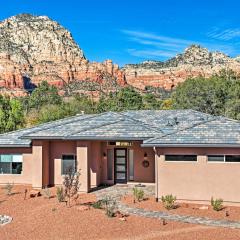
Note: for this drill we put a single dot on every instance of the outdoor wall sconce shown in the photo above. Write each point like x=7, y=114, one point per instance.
x=104, y=154
x=145, y=164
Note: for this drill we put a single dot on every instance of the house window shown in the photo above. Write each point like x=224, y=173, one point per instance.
x=110, y=160
x=68, y=164
x=224, y=158
x=11, y=164
x=216, y=158
x=120, y=144
x=131, y=164
x=232, y=158
x=181, y=158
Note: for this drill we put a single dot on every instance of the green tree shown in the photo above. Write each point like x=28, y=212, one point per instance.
x=125, y=99
x=202, y=94
x=11, y=114
x=44, y=94
x=232, y=106
x=151, y=102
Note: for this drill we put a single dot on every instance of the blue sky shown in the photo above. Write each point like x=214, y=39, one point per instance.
x=136, y=30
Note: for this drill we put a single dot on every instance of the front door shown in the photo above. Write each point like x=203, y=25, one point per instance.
x=120, y=165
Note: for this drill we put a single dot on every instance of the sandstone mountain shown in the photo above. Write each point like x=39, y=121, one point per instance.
x=36, y=48
x=195, y=61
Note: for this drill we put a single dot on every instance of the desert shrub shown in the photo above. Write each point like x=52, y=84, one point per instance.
x=8, y=187
x=71, y=185
x=97, y=205
x=217, y=204
x=138, y=194
x=169, y=201
x=46, y=193
x=60, y=194
x=109, y=205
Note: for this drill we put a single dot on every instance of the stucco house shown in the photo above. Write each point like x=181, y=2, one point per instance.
x=192, y=155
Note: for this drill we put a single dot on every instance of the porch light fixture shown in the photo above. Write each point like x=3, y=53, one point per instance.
x=104, y=154
x=145, y=155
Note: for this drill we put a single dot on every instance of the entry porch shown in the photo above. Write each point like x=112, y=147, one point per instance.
x=99, y=163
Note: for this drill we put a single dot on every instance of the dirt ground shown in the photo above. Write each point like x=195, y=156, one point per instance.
x=41, y=218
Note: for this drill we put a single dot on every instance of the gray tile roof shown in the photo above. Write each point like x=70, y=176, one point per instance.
x=154, y=127
x=15, y=138
x=216, y=132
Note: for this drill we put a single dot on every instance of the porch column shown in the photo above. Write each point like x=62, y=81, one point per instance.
x=83, y=166
x=158, y=160
x=37, y=164
x=40, y=164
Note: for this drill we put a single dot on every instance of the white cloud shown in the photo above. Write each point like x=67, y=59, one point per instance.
x=151, y=45
x=225, y=35
x=150, y=53
x=146, y=35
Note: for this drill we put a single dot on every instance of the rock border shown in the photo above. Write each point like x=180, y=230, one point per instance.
x=116, y=192
x=4, y=219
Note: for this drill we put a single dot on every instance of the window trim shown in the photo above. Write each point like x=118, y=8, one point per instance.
x=13, y=154
x=224, y=155
x=182, y=161
x=75, y=158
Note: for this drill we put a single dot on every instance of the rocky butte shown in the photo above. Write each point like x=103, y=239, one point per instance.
x=36, y=48
x=195, y=61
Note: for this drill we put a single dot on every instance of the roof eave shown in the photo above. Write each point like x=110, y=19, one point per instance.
x=84, y=138
x=190, y=145
x=107, y=138
x=15, y=145
x=42, y=137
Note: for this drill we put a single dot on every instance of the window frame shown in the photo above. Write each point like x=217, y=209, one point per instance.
x=224, y=155
x=181, y=161
x=75, y=162
x=11, y=163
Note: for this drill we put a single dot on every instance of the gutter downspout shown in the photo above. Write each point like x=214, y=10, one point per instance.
x=156, y=174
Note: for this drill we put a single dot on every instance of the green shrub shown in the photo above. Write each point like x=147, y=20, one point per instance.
x=60, y=194
x=168, y=201
x=217, y=204
x=47, y=193
x=138, y=194
x=109, y=205
x=97, y=205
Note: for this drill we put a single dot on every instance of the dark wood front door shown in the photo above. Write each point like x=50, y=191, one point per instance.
x=120, y=165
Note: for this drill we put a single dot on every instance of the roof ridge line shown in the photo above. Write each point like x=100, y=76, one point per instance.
x=87, y=117
x=148, y=126
x=183, y=129
x=86, y=129
x=39, y=125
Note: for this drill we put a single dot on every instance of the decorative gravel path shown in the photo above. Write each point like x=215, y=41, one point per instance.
x=118, y=191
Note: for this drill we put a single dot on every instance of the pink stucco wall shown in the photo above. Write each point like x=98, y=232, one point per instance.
x=201, y=180
x=42, y=163
x=26, y=176
x=57, y=149
x=142, y=174
x=95, y=156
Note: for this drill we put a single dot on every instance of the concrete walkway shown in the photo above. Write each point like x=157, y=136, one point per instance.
x=118, y=191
